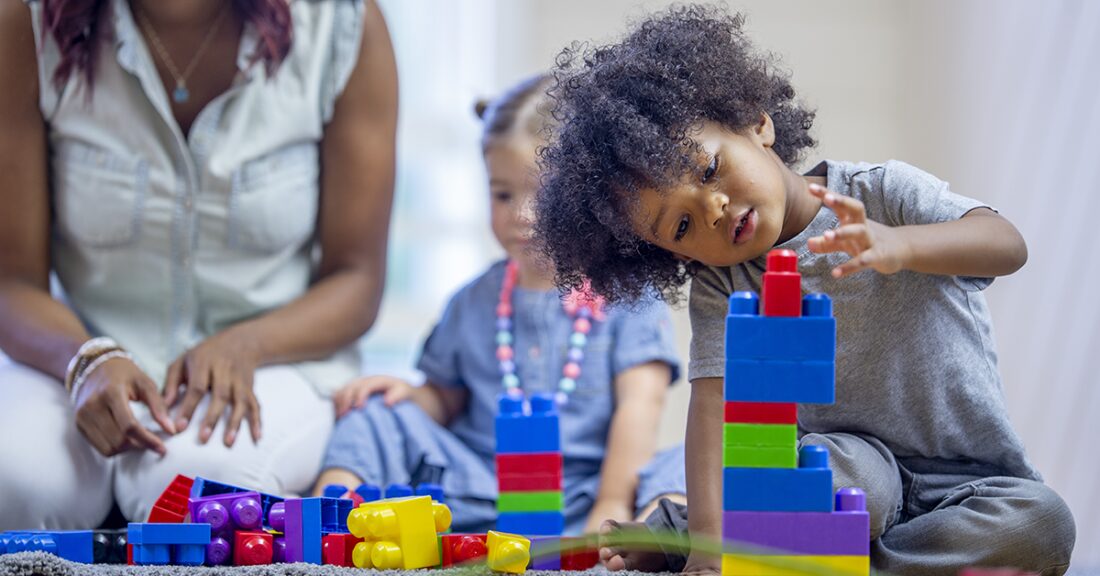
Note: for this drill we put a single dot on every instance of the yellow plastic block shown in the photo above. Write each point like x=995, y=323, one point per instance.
x=508, y=552
x=753, y=565
x=398, y=533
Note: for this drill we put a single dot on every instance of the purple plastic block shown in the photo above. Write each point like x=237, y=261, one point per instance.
x=276, y=517
x=850, y=500
x=278, y=550
x=545, y=553
x=218, y=551
x=800, y=533
x=303, y=530
x=293, y=532
x=228, y=512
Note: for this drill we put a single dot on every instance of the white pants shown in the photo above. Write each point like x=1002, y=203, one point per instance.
x=52, y=478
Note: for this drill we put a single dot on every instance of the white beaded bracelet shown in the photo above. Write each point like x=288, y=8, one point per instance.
x=91, y=368
x=88, y=349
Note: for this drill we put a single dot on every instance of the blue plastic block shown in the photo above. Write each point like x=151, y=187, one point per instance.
x=303, y=530
x=335, y=490
x=545, y=553
x=369, y=492
x=204, y=487
x=398, y=491
x=146, y=533
x=189, y=555
x=808, y=488
x=521, y=432
x=429, y=489
x=802, y=382
x=334, y=515
x=531, y=523
x=151, y=554
x=786, y=339
x=74, y=545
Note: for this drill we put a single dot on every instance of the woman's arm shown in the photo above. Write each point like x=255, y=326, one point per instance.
x=632, y=440
x=358, y=154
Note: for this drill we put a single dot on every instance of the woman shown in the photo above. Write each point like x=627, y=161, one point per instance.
x=211, y=184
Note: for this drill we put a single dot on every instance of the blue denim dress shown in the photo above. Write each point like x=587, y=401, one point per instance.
x=385, y=445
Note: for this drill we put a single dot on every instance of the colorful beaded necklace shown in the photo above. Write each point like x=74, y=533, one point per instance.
x=581, y=306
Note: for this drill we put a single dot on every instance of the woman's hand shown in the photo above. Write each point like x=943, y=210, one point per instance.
x=223, y=366
x=870, y=244
x=353, y=395
x=103, y=412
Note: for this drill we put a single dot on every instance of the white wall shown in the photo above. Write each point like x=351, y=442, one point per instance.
x=1001, y=98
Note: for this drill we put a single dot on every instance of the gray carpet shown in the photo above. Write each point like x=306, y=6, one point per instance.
x=28, y=563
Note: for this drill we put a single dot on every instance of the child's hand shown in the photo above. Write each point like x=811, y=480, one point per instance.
x=353, y=395
x=606, y=510
x=870, y=244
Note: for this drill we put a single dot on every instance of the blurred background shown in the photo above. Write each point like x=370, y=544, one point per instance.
x=1000, y=98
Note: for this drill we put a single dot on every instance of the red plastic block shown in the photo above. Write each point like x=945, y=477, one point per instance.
x=528, y=464
x=461, y=548
x=578, y=553
x=171, y=507
x=336, y=549
x=129, y=554
x=530, y=483
x=762, y=412
x=252, y=548
x=782, y=290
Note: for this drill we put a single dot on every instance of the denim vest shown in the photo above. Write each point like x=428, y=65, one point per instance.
x=161, y=239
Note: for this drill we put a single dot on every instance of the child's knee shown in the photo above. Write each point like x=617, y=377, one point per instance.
x=1041, y=527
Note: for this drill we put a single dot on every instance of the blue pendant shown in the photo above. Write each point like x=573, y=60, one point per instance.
x=180, y=94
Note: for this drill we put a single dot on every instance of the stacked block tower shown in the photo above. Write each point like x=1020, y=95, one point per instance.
x=780, y=515
x=529, y=466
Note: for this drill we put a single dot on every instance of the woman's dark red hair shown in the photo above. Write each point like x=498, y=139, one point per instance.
x=79, y=27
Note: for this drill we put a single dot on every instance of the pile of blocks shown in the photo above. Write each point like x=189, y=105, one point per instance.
x=780, y=515
x=529, y=466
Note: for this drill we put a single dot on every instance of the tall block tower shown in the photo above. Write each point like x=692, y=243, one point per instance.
x=529, y=466
x=780, y=514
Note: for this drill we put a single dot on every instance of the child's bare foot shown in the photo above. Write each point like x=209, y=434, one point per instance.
x=630, y=546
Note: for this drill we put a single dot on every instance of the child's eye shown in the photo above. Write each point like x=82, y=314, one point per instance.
x=681, y=229
x=502, y=196
x=712, y=168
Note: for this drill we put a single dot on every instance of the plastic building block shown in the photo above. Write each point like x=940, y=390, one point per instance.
x=759, y=457
x=545, y=553
x=508, y=553
x=752, y=337
x=171, y=506
x=108, y=546
x=337, y=549
x=435, y=491
x=369, y=492
x=303, y=530
x=73, y=545
x=810, y=533
x=461, y=548
x=805, y=382
x=579, y=553
x=334, y=515
x=335, y=491
x=518, y=432
x=531, y=483
x=399, y=491
x=762, y=412
x=204, y=487
x=782, y=284
x=228, y=512
x=218, y=551
x=529, y=464
x=808, y=488
x=165, y=543
x=760, y=434
x=529, y=501
x=276, y=517
x=531, y=523
x=398, y=533
x=278, y=550
x=252, y=548
x=748, y=565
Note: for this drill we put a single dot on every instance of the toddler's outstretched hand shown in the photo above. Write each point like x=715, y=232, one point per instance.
x=354, y=394
x=870, y=244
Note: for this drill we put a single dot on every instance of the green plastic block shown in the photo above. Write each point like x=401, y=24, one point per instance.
x=759, y=457
x=529, y=502
x=774, y=435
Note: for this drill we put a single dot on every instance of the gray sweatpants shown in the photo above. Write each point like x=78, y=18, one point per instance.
x=933, y=518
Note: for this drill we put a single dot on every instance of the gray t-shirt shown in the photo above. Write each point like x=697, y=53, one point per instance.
x=916, y=367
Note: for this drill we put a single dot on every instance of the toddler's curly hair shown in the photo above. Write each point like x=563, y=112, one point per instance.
x=625, y=115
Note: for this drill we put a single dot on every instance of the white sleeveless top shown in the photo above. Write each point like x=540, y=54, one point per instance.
x=161, y=239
